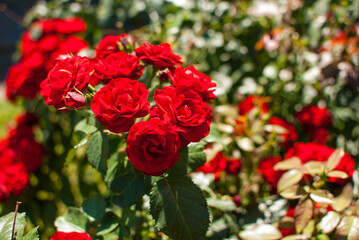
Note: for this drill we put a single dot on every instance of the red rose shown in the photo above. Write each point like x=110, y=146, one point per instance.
x=216, y=166
x=61, y=26
x=153, y=146
x=117, y=65
x=266, y=168
x=25, y=77
x=161, y=56
x=117, y=104
x=16, y=177
x=189, y=77
x=63, y=83
x=317, y=152
x=319, y=135
x=314, y=117
x=253, y=101
x=233, y=166
x=70, y=236
x=185, y=110
x=111, y=44
x=30, y=153
x=290, y=136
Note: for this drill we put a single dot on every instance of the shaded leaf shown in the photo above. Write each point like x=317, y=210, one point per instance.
x=191, y=158
x=302, y=214
x=289, y=178
x=179, y=208
x=215, y=136
x=98, y=151
x=329, y=222
x=129, y=188
x=94, y=207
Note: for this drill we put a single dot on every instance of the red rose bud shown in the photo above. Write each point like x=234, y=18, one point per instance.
x=153, y=146
x=216, y=166
x=185, y=111
x=70, y=236
x=237, y=200
x=190, y=78
x=117, y=104
x=163, y=76
x=253, y=101
x=117, y=65
x=161, y=56
x=63, y=83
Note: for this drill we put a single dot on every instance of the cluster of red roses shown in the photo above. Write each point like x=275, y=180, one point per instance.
x=70, y=236
x=181, y=114
x=19, y=155
x=41, y=45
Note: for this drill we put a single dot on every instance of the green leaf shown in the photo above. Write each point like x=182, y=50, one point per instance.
x=117, y=165
x=70, y=156
x=6, y=225
x=328, y=223
x=215, y=136
x=294, y=192
x=334, y=159
x=322, y=196
x=289, y=178
x=348, y=228
x=179, y=208
x=74, y=220
x=341, y=202
x=86, y=126
x=94, y=207
x=302, y=214
x=129, y=188
x=108, y=224
x=191, y=158
x=223, y=205
x=32, y=235
x=98, y=151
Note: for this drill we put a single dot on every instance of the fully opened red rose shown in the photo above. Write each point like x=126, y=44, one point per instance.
x=314, y=117
x=63, y=83
x=117, y=65
x=117, y=104
x=185, y=110
x=161, y=56
x=191, y=78
x=253, y=101
x=70, y=236
x=153, y=146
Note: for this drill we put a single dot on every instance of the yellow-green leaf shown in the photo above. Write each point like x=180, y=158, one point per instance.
x=322, y=196
x=261, y=232
x=328, y=223
x=337, y=174
x=302, y=214
x=341, y=202
x=314, y=167
x=334, y=158
x=289, y=178
x=288, y=164
x=344, y=226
